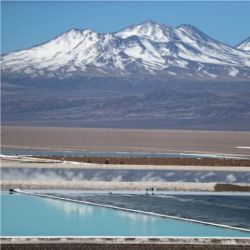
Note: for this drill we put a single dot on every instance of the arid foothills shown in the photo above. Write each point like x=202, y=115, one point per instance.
x=148, y=75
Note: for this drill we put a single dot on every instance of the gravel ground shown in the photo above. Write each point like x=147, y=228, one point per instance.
x=154, y=161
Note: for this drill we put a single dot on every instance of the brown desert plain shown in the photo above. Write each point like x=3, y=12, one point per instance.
x=125, y=140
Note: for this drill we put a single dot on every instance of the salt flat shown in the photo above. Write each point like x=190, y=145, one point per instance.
x=125, y=140
x=105, y=185
x=29, y=162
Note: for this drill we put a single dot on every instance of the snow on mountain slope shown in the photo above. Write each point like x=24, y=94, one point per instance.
x=150, y=30
x=245, y=45
x=146, y=48
x=209, y=50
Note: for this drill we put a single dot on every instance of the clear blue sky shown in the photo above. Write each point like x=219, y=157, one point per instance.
x=25, y=24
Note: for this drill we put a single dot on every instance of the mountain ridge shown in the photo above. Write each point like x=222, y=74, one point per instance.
x=156, y=76
x=147, y=48
x=244, y=45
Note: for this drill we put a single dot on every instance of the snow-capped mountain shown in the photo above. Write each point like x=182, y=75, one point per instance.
x=148, y=48
x=245, y=45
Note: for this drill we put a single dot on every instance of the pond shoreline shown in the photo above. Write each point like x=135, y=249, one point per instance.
x=128, y=243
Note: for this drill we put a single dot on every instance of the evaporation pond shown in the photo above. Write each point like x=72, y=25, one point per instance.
x=24, y=215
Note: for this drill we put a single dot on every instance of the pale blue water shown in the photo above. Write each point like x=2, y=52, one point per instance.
x=24, y=215
x=116, y=154
x=130, y=175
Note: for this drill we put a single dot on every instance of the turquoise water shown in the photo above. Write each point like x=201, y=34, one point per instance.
x=24, y=215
